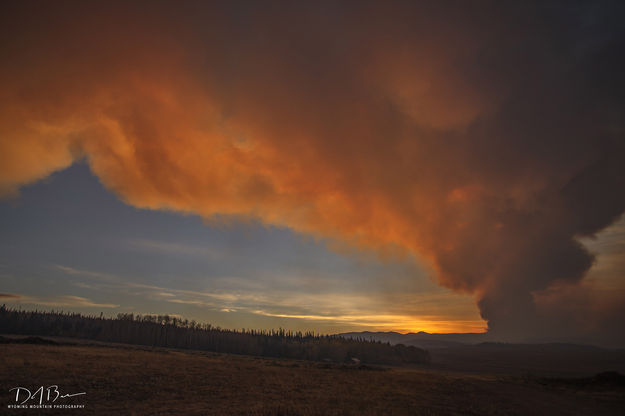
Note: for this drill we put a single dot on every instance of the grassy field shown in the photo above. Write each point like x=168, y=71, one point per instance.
x=124, y=380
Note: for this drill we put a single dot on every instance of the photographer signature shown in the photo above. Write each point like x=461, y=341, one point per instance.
x=49, y=394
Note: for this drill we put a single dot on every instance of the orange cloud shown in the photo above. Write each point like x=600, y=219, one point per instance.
x=456, y=134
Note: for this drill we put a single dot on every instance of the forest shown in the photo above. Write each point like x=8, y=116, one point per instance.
x=173, y=332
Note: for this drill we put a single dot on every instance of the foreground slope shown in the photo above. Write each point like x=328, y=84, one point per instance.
x=147, y=381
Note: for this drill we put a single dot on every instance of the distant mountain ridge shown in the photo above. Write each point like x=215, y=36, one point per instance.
x=421, y=339
x=484, y=353
x=426, y=340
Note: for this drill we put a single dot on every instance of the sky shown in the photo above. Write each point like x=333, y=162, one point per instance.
x=441, y=166
x=69, y=244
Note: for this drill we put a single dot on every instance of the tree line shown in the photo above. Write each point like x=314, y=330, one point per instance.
x=173, y=332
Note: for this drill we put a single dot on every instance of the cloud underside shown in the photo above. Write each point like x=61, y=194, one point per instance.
x=55, y=301
x=484, y=140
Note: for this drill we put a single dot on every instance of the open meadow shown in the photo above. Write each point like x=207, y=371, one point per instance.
x=132, y=380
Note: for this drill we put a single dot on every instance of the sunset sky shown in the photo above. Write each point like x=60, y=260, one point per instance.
x=330, y=166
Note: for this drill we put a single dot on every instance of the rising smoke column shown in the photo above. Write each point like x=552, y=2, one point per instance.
x=483, y=138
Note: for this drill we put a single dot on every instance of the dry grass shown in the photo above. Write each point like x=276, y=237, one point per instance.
x=133, y=381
